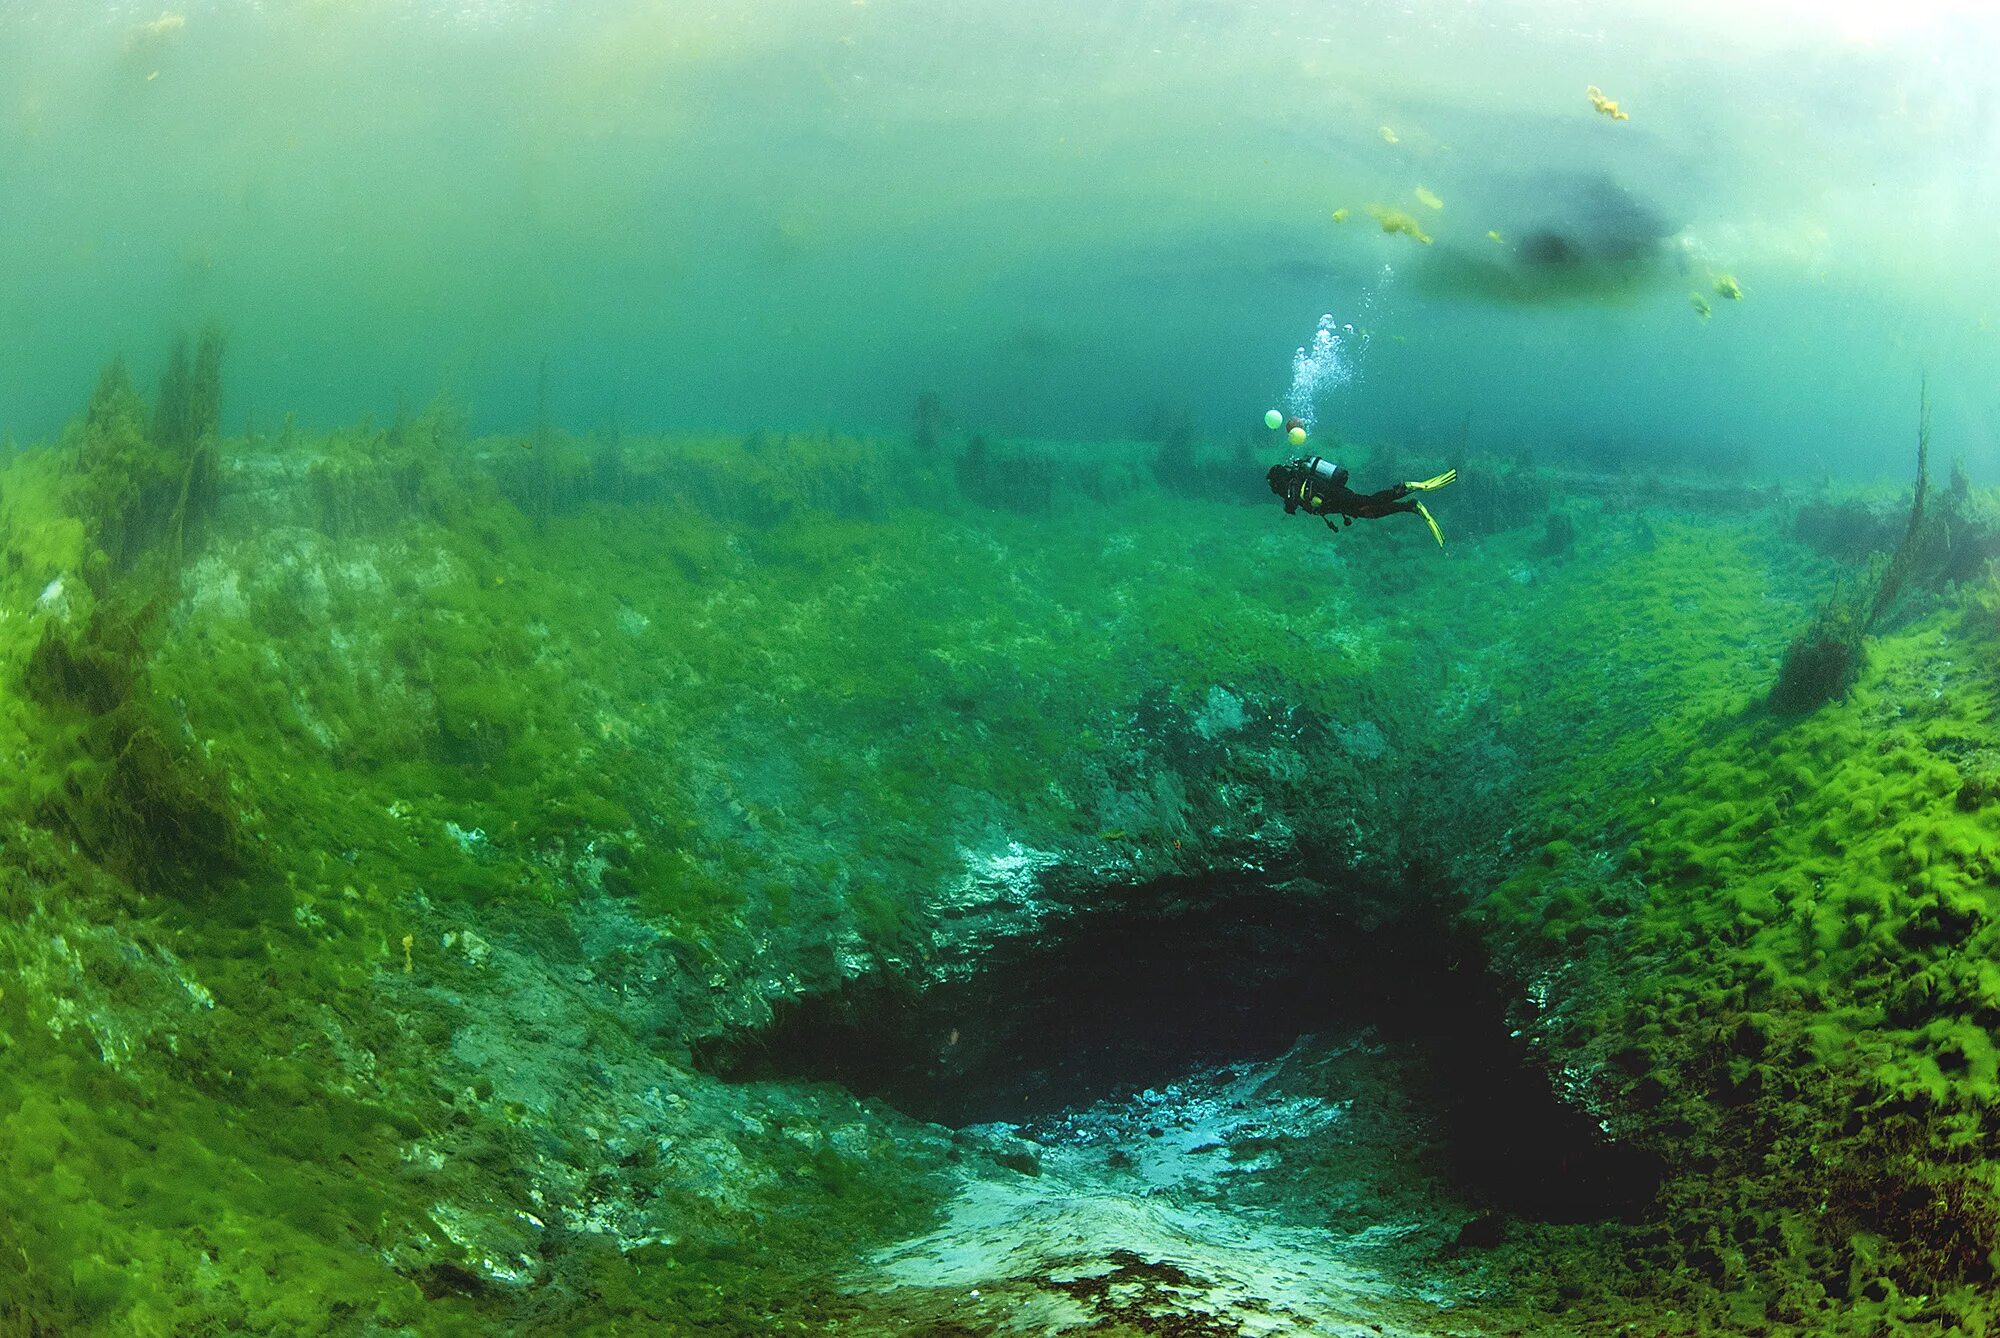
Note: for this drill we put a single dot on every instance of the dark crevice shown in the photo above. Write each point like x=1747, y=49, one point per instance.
x=1189, y=972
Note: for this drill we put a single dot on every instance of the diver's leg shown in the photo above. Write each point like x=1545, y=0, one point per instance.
x=1375, y=505
x=1389, y=502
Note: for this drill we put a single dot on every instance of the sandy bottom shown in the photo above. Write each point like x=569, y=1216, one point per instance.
x=1272, y=1200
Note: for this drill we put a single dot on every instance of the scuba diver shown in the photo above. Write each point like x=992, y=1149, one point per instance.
x=1320, y=486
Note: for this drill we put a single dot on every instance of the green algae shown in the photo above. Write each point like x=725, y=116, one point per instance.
x=1812, y=937
x=357, y=757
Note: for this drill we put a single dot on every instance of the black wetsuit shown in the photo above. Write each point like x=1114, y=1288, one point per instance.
x=1319, y=487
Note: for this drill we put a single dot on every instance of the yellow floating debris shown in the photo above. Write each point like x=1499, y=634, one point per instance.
x=1340, y=215
x=1700, y=305
x=1605, y=105
x=1388, y=136
x=1426, y=196
x=168, y=22
x=1397, y=220
x=1726, y=285
x=1493, y=236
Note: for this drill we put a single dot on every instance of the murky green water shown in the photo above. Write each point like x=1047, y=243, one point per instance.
x=650, y=685
x=1061, y=218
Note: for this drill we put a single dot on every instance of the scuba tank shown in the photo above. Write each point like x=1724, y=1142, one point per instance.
x=1320, y=476
x=1322, y=472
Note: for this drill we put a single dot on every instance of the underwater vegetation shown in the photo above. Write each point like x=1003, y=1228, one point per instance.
x=1943, y=544
x=1399, y=222
x=127, y=501
x=1605, y=106
x=427, y=854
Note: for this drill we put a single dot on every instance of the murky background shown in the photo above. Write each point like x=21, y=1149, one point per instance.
x=1062, y=219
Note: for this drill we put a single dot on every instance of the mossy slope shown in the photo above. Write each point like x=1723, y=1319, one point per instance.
x=1775, y=963
x=455, y=791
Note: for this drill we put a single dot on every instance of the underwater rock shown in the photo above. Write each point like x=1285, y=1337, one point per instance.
x=1161, y=1210
x=1196, y=789
x=999, y=896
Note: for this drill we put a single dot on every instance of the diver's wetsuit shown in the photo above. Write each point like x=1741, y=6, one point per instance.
x=1320, y=488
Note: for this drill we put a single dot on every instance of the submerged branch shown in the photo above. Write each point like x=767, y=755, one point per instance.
x=1825, y=658
x=1899, y=565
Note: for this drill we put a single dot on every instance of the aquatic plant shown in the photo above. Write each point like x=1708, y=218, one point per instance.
x=187, y=426
x=558, y=803
x=114, y=511
x=1173, y=463
x=1901, y=562
x=1605, y=106
x=929, y=422
x=1821, y=661
x=536, y=471
x=1558, y=535
x=136, y=486
x=609, y=478
x=188, y=409
x=1399, y=221
x=1018, y=479
x=972, y=464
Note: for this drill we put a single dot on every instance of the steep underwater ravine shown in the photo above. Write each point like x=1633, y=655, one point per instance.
x=421, y=852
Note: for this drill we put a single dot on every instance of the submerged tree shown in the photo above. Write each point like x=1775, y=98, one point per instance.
x=1823, y=660
x=138, y=485
x=1898, y=572
x=189, y=408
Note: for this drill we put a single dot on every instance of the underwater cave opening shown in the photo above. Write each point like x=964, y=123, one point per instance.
x=1190, y=972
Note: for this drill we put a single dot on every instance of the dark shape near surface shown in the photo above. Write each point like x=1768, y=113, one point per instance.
x=1589, y=238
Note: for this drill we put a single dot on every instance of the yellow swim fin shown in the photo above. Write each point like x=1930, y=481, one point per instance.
x=1436, y=533
x=1433, y=484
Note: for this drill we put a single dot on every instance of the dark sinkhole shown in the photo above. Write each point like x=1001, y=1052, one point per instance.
x=1189, y=972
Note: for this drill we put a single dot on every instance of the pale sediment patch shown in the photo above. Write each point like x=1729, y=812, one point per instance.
x=1072, y=1240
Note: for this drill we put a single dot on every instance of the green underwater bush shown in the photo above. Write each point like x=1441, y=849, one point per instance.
x=1938, y=546
x=1823, y=660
